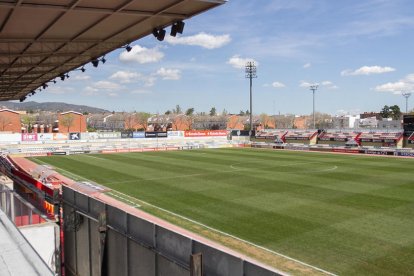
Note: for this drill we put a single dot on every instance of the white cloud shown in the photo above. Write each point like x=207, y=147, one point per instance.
x=323, y=84
x=168, y=74
x=277, y=84
x=237, y=62
x=125, y=76
x=81, y=77
x=140, y=91
x=106, y=85
x=406, y=84
x=307, y=65
x=58, y=90
x=148, y=80
x=90, y=91
x=367, y=70
x=141, y=55
x=112, y=94
x=307, y=84
x=134, y=77
x=204, y=40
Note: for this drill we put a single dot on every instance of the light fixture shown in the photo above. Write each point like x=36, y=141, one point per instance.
x=103, y=59
x=44, y=86
x=62, y=77
x=33, y=92
x=22, y=99
x=128, y=48
x=159, y=34
x=177, y=27
x=95, y=62
x=67, y=75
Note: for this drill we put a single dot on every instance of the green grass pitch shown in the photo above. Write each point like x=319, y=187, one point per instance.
x=350, y=215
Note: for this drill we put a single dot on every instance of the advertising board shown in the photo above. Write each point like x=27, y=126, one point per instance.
x=154, y=134
x=60, y=136
x=175, y=134
x=45, y=136
x=126, y=134
x=138, y=134
x=109, y=135
x=204, y=133
x=74, y=136
x=29, y=137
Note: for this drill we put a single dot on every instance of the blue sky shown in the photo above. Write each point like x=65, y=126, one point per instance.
x=359, y=52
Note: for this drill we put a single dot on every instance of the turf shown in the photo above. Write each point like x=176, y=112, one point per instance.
x=345, y=214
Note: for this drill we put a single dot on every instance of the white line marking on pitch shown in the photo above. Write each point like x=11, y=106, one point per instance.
x=239, y=239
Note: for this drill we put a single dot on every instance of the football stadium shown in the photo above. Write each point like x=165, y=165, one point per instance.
x=231, y=195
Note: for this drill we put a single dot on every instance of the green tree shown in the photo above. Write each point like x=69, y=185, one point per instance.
x=241, y=113
x=247, y=112
x=190, y=111
x=168, y=112
x=396, y=112
x=177, y=110
x=213, y=111
x=385, y=112
x=28, y=121
x=224, y=112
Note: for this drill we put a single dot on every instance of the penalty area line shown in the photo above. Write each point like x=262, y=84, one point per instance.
x=239, y=239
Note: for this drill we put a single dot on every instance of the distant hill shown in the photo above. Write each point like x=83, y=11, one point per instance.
x=51, y=106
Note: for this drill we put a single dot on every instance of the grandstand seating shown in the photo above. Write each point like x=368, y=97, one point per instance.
x=339, y=135
x=300, y=134
x=272, y=134
x=380, y=136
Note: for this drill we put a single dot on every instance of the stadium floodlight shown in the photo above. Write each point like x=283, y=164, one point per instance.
x=159, y=34
x=177, y=27
x=406, y=95
x=128, y=48
x=44, y=86
x=313, y=88
x=95, y=62
x=250, y=71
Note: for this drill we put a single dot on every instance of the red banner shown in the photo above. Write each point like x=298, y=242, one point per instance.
x=205, y=133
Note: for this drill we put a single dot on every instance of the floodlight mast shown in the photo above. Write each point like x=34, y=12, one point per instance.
x=250, y=71
x=313, y=88
x=406, y=95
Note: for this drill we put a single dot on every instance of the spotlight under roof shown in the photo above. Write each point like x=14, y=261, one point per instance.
x=95, y=62
x=159, y=34
x=177, y=27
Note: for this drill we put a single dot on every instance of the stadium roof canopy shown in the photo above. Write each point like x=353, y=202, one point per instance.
x=42, y=39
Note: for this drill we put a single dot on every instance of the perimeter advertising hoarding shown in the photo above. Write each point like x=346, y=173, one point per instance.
x=60, y=136
x=74, y=136
x=240, y=133
x=45, y=136
x=154, y=134
x=205, y=133
x=29, y=137
x=109, y=135
x=138, y=134
x=126, y=134
x=407, y=154
x=11, y=137
x=89, y=135
x=175, y=134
